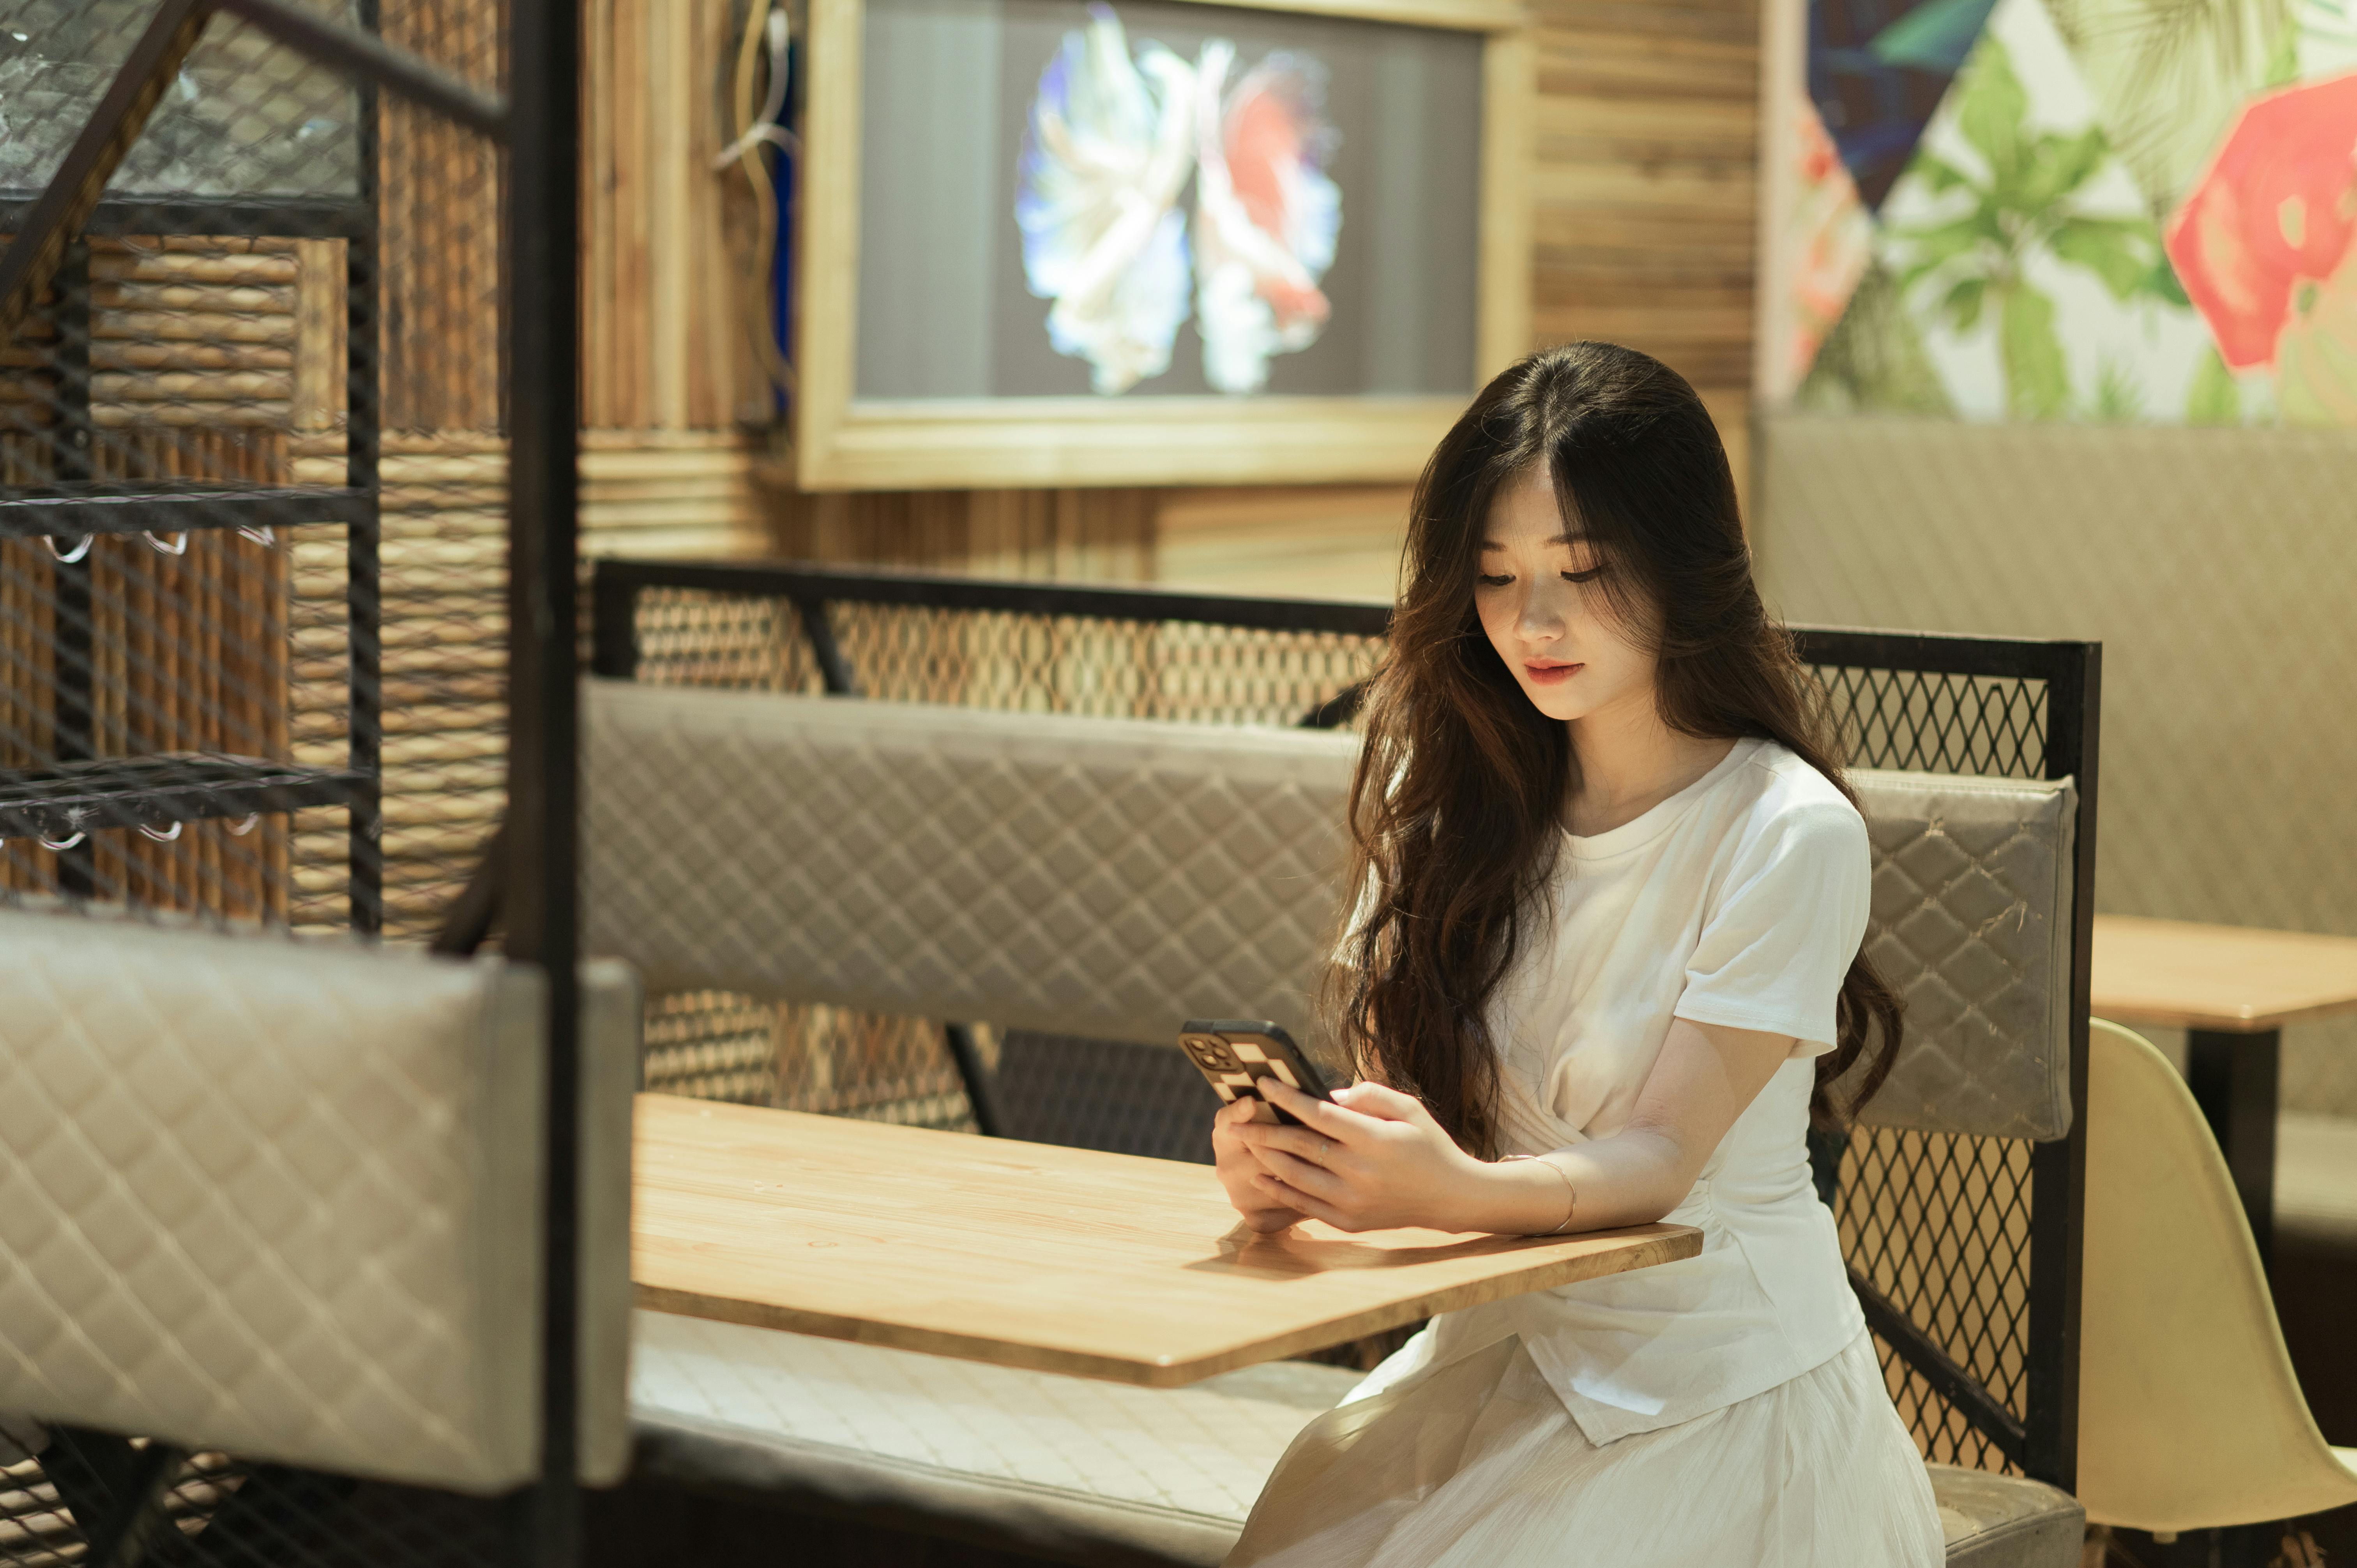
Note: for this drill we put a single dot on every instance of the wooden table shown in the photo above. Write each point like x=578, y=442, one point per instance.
x=2233, y=989
x=1030, y=1255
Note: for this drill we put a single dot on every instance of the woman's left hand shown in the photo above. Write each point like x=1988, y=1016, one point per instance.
x=1373, y=1159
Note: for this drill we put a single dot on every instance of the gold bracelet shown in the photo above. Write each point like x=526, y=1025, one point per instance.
x=1572, y=1192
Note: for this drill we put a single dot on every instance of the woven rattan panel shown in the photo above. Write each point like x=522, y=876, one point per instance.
x=2213, y=565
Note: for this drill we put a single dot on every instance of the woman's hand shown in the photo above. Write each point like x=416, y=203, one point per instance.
x=1241, y=1171
x=1372, y=1160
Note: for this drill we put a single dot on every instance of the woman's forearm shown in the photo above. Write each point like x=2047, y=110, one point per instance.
x=1631, y=1178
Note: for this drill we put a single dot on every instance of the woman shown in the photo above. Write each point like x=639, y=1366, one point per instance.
x=1604, y=970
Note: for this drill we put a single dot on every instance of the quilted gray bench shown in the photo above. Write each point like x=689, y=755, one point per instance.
x=1103, y=879
x=282, y=1199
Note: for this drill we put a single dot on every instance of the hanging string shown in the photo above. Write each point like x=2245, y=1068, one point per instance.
x=245, y=827
x=69, y=556
x=163, y=838
x=265, y=536
x=179, y=545
x=49, y=843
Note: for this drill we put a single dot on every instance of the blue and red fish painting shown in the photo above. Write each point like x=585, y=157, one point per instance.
x=1115, y=135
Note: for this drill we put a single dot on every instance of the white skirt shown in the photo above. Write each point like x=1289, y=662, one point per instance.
x=1477, y=1465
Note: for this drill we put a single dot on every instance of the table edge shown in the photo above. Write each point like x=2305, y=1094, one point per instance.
x=1669, y=1244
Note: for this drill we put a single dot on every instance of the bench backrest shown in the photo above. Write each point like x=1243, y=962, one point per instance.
x=283, y=1198
x=1107, y=878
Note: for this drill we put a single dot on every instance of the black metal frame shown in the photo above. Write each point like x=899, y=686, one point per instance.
x=539, y=127
x=84, y=793
x=2044, y=1444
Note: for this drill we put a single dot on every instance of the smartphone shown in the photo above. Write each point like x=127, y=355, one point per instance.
x=1235, y=1053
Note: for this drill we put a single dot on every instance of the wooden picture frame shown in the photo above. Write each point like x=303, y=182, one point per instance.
x=843, y=442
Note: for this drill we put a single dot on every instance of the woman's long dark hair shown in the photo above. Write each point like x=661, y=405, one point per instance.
x=1456, y=809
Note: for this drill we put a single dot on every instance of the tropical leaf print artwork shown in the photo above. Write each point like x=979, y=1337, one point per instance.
x=1111, y=143
x=1831, y=237
x=1109, y=148
x=2025, y=252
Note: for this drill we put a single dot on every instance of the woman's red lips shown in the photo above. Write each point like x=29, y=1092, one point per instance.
x=1548, y=671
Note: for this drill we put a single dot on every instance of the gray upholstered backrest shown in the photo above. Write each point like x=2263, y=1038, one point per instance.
x=1099, y=877
x=283, y=1198
x=1108, y=878
x=1972, y=883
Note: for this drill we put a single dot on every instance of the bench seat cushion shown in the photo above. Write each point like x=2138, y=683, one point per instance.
x=2004, y=1521
x=1067, y=1469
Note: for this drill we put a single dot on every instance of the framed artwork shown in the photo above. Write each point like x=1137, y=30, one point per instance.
x=2095, y=212
x=1049, y=242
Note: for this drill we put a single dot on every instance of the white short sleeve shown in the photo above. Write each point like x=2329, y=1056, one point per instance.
x=1785, y=927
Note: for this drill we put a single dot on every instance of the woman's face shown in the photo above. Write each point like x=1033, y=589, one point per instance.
x=1546, y=614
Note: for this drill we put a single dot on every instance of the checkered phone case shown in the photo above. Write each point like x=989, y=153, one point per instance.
x=1234, y=1055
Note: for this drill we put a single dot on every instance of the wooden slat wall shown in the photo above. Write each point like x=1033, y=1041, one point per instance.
x=1643, y=189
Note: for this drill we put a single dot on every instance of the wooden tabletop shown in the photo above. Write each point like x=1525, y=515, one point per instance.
x=2233, y=979
x=1030, y=1255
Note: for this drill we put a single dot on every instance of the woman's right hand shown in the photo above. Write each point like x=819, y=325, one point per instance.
x=1238, y=1165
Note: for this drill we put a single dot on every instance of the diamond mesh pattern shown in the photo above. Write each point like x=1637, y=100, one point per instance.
x=1941, y=1223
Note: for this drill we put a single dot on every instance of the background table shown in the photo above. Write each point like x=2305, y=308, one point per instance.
x=2233, y=989
x=1030, y=1255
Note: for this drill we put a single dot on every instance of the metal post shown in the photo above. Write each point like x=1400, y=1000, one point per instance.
x=2057, y=1170
x=364, y=576
x=74, y=733
x=2235, y=1079
x=543, y=225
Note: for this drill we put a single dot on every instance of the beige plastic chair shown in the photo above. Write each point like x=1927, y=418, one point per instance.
x=2190, y=1417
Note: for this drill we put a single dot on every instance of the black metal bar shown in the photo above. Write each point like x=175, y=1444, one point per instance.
x=137, y=1524
x=1937, y=654
x=2235, y=1079
x=981, y=1090
x=363, y=530
x=288, y=218
x=1950, y=1381
x=78, y=512
x=798, y=581
x=1339, y=709
x=363, y=55
x=834, y=669
x=468, y=923
x=93, y=1471
x=73, y=737
x=159, y=792
x=58, y=213
x=613, y=626
x=542, y=356
x=2057, y=1170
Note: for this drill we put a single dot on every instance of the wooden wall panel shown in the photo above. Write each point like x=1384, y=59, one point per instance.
x=1643, y=196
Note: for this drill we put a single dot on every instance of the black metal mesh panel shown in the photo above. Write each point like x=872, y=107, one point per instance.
x=835, y=1060
x=253, y=586
x=1911, y=719
x=1940, y=1224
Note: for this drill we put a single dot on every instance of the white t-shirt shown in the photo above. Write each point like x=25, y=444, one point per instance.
x=1740, y=900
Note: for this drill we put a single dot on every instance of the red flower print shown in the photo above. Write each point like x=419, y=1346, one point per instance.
x=2274, y=213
